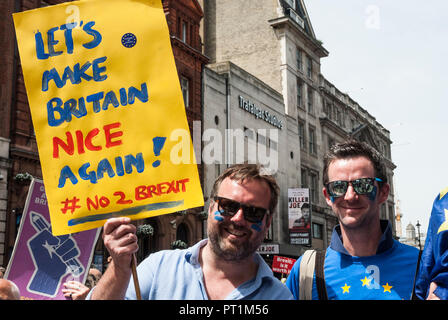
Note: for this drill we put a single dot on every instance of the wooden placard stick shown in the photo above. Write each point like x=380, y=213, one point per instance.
x=135, y=277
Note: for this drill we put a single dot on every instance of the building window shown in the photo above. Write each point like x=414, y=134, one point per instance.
x=182, y=233
x=299, y=59
x=318, y=231
x=299, y=93
x=273, y=145
x=310, y=101
x=248, y=133
x=309, y=67
x=326, y=108
x=312, y=140
x=344, y=118
x=270, y=234
x=391, y=213
x=192, y=40
x=261, y=139
x=304, y=177
x=179, y=27
x=331, y=142
x=339, y=119
x=184, y=31
x=314, y=183
x=331, y=110
x=301, y=126
x=291, y=3
x=185, y=86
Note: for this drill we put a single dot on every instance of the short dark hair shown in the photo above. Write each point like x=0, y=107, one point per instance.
x=242, y=172
x=352, y=149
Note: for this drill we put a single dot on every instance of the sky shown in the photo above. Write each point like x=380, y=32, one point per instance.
x=391, y=57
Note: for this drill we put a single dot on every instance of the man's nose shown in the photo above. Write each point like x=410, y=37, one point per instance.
x=350, y=194
x=238, y=217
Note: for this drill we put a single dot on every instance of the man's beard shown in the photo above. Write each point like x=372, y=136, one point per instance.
x=227, y=250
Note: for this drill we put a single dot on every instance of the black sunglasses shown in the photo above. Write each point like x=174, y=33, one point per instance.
x=230, y=208
x=361, y=186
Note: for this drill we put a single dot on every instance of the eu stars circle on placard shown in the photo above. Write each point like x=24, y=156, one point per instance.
x=128, y=40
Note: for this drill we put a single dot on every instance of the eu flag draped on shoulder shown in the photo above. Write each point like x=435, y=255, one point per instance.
x=434, y=261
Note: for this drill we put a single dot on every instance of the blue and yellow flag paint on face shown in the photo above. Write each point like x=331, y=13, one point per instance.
x=105, y=100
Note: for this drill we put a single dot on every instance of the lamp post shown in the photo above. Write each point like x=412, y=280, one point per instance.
x=418, y=237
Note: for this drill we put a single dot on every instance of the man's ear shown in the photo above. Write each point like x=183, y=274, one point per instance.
x=328, y=198
x=384, y=193
x=210, y=205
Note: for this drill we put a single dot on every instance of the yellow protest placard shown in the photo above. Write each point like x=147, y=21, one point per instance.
x=107, y=110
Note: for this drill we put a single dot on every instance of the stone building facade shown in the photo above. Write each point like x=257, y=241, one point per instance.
x=245, y=122
x=274, y=42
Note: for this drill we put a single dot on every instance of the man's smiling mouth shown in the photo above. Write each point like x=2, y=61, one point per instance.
x=234, y=232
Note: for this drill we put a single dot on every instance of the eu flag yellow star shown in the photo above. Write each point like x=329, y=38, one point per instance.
x=443, y=193
x=387, y=288
x=366, y=281
x=345, y=288
x=444, y=225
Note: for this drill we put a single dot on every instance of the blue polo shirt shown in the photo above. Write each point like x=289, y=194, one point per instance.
x=387, y=275
x=177, y=275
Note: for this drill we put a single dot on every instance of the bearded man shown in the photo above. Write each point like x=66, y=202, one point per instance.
x=224, y=266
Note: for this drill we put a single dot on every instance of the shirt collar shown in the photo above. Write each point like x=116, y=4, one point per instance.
x=192, y=253
x=386, y=240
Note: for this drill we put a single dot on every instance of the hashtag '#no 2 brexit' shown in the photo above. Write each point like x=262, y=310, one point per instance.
x=70, y=204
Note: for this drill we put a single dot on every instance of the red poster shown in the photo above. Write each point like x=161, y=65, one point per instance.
x=282, y=264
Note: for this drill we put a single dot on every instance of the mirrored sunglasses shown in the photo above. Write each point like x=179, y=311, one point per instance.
x=362, y=186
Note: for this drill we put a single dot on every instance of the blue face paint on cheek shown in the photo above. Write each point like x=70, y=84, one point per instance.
x=218, y=216
x=257, y=226
x=332, y=199
x=372, y=195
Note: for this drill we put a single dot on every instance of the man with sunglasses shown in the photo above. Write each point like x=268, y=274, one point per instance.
x=224, y=266
x=363, y=260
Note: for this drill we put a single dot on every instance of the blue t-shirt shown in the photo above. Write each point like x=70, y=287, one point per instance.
x=388, y=275
x=434, y=263
x=177, y=275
